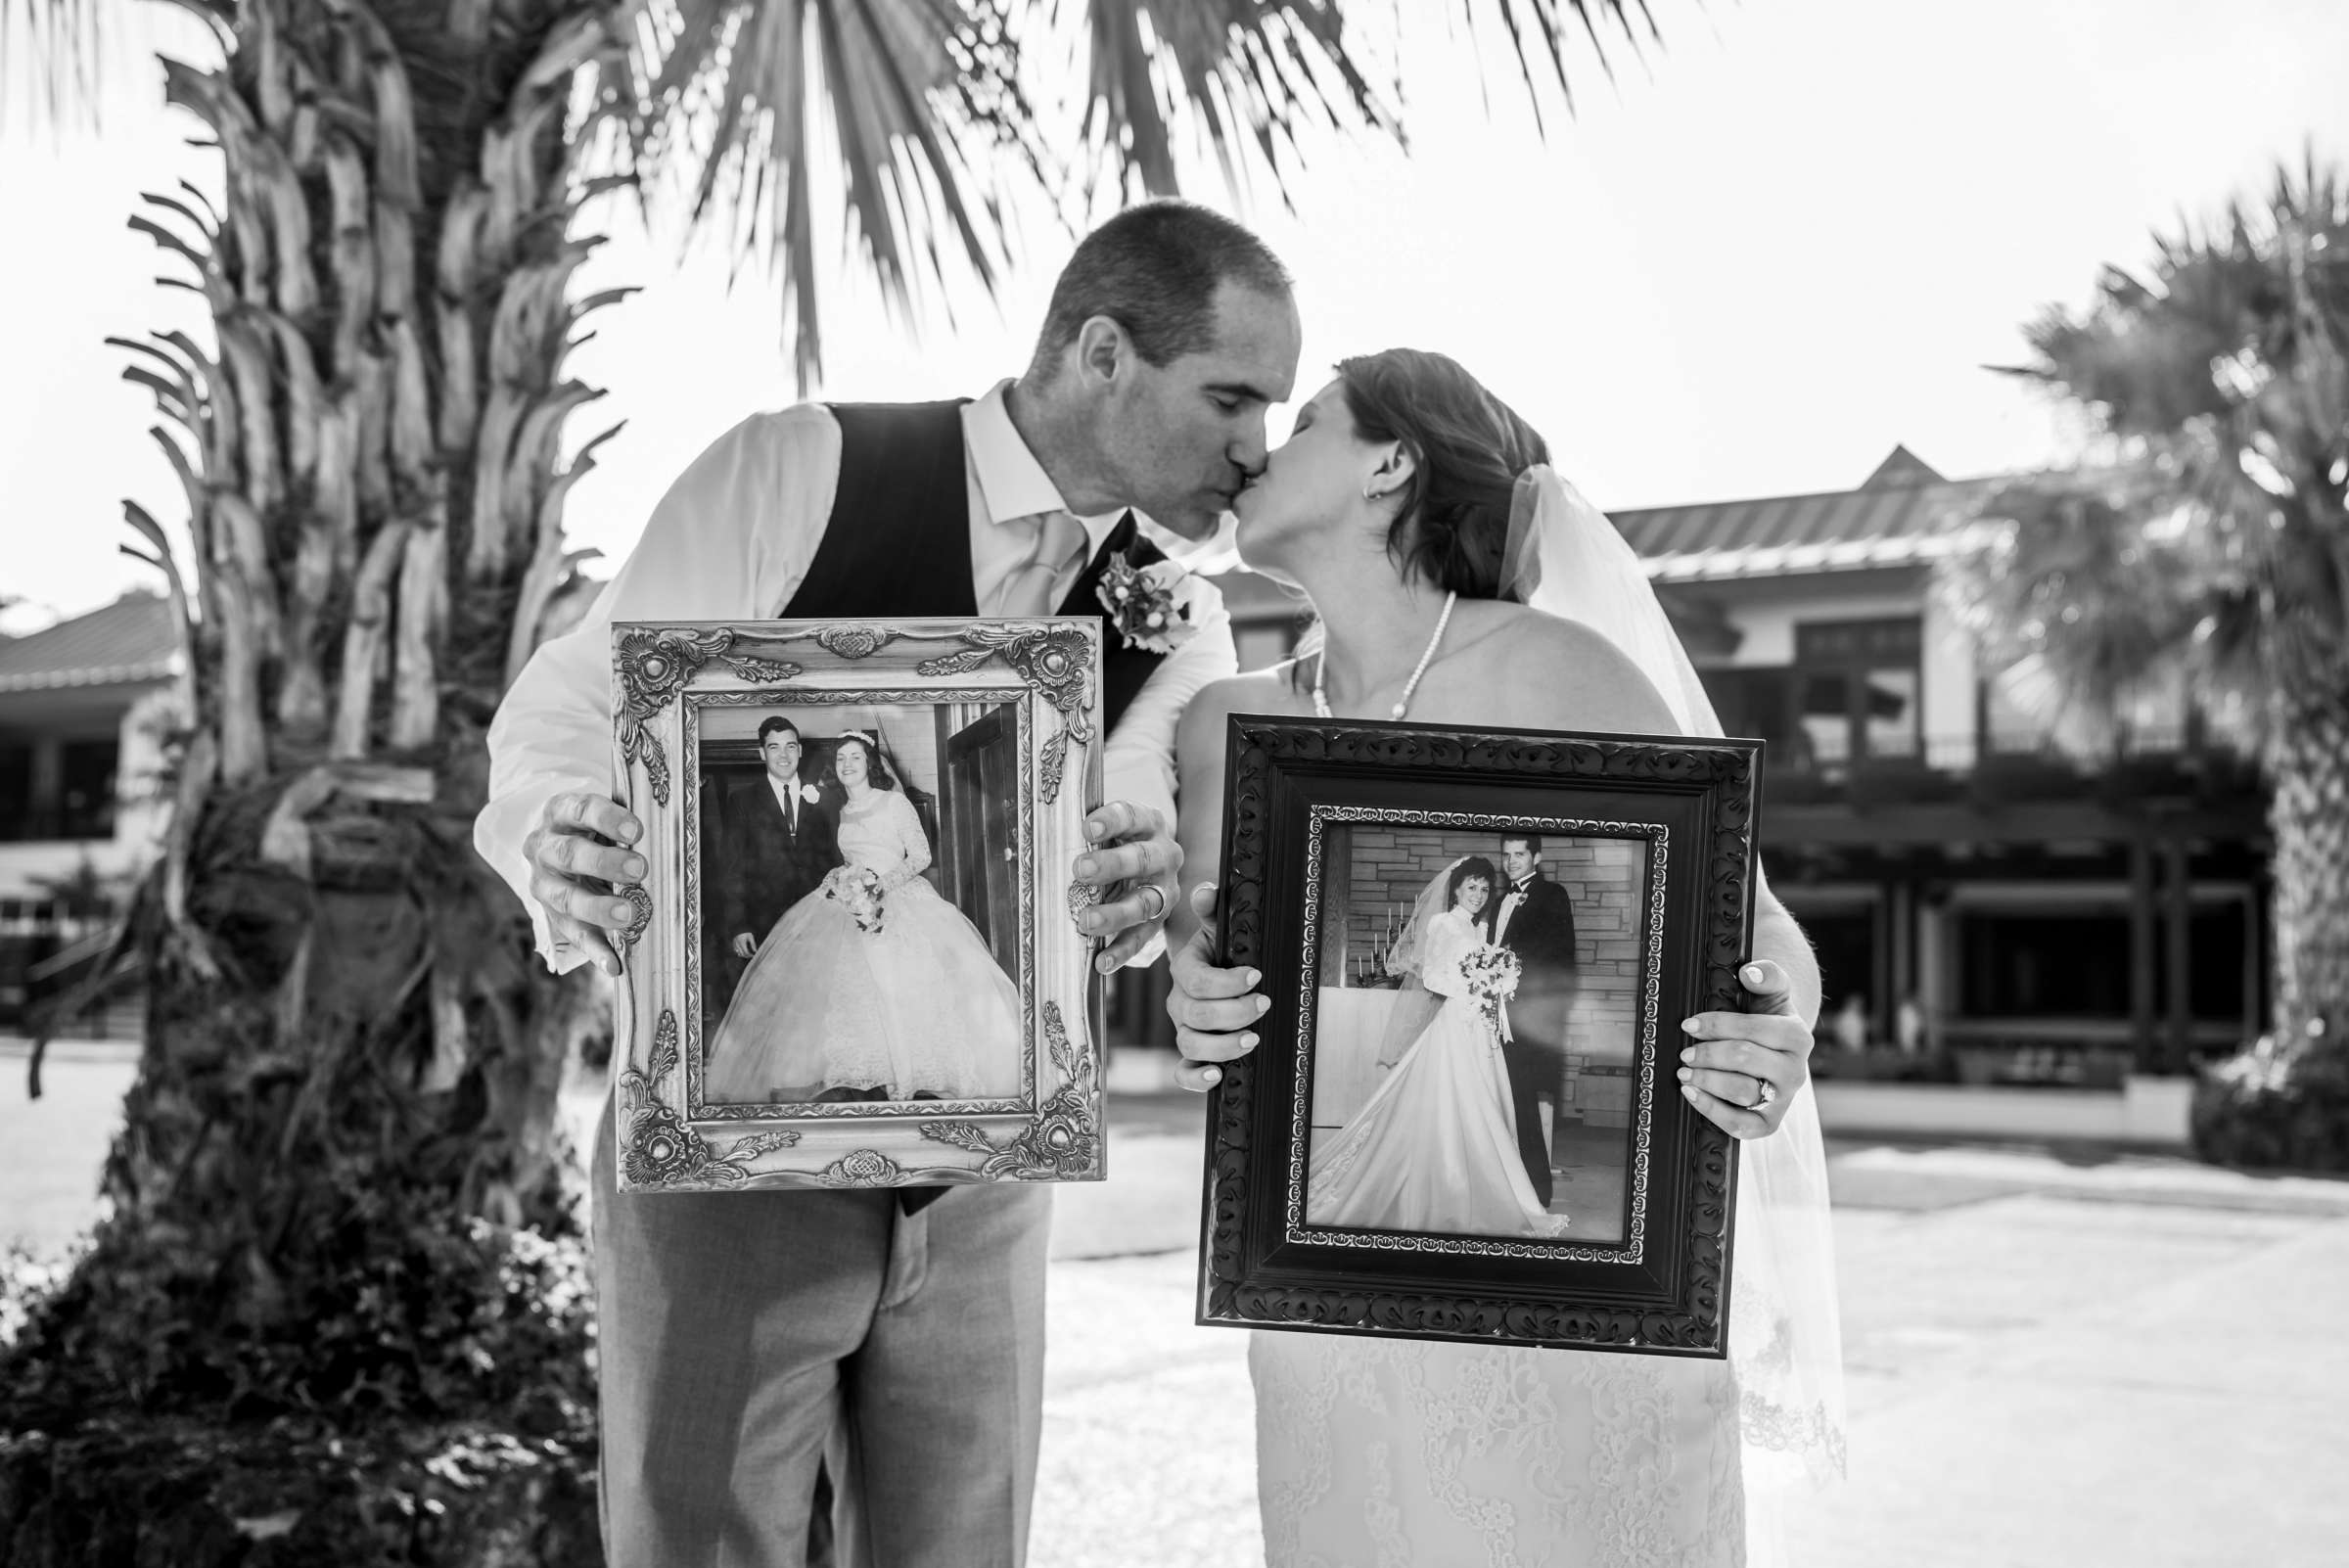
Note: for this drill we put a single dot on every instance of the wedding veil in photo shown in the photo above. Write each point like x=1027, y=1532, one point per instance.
x=1565, y=559
x=1415, y=1006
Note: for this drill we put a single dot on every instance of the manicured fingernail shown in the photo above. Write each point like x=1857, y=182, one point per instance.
x=1247, y=1043
x=1086, y=865
x=1092, y=830
x=1262, y=1004
x=1105, y=964
x=1753, y=974
x=1212, y=1075
x=1689, y=1055
x=1687, y=1075
x=621, y=909
x=635, y=866
x=1689, y=1090
x=1691, y=1026
x=630, y=832
x=1251, y=978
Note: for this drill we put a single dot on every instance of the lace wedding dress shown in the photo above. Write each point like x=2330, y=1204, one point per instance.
x=916, y=1006
x=1435, y=1147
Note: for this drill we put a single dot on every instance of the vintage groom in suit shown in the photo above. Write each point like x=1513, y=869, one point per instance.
x=1534, y=918
x=898, y=1335
x=780, y=840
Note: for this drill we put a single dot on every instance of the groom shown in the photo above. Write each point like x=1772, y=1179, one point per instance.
x=779, y=839
x=1534, y=918
x=741, y=1332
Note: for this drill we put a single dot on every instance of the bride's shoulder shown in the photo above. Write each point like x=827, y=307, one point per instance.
x=1262, y=691
x=1563, y=674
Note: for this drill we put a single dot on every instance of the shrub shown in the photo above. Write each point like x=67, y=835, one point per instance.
x=2272, y=1106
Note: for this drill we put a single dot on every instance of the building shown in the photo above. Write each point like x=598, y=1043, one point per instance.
x=84, y=710
x=1977, y=896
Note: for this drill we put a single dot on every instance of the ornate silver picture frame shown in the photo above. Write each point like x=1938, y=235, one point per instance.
x=857, y=963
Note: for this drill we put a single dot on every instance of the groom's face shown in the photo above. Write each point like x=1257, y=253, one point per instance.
x=1517, y=860
x=781, y=753
x=1182, y=438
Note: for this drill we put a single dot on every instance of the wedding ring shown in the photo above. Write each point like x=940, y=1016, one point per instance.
x=1158, y=893
x=1769, y=1092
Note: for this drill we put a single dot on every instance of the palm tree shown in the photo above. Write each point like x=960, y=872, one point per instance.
x=332, y=1203
x=2211, y=540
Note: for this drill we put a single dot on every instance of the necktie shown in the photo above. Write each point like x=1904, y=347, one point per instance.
x=1027, y=590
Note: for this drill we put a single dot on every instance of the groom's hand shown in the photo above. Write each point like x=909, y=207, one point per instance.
x=575, y=859
x=1737, y=1054
x=745, y=945
x=1214, y=1009
x=1134, y=846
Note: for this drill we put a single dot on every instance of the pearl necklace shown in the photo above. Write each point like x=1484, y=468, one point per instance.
x=1321, y=668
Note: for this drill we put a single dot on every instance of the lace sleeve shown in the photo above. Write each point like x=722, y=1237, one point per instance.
x=915, y=842
x=1447, y=941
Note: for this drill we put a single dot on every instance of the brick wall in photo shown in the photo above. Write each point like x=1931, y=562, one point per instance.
x=1375, y=874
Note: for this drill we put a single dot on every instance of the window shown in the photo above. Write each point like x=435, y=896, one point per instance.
x=15, y=789
x=85, y=795
x=1860, y=683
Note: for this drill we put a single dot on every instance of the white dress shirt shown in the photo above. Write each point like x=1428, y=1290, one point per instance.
x=1509, y=903
x=733, y=539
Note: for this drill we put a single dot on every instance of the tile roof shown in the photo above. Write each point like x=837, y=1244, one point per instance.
x=127, y=641
x=1905, y=513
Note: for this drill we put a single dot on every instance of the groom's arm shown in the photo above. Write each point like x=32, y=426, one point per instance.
x=1138, y=761
x=732, y=535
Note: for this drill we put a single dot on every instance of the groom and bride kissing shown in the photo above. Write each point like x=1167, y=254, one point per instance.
x=754, y=1346
x=858, y=980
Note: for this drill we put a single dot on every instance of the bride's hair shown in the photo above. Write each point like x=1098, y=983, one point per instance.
x=877, y=772
x=1468, y=446
x=1467, y=872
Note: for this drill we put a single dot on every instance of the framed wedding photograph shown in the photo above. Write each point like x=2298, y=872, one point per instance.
x=1463, y=1119
x=855, y=962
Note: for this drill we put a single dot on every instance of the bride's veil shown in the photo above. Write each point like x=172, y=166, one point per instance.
x=1564, y=558
x=1415, y=1006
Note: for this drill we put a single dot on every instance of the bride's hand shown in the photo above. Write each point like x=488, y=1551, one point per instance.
x=1214, y=1008
x=1745, y=1068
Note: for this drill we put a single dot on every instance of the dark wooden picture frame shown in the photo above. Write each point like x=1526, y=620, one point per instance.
x=1663, y=1287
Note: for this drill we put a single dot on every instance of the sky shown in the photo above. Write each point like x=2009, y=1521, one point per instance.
x=1763, y=256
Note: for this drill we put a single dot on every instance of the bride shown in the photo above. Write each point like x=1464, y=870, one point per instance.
x=1460, y=581
x=873, y=986
x=1435, y=1148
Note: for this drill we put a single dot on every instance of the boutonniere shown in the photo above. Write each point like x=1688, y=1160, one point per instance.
x=810, y=794
x=1151, y=605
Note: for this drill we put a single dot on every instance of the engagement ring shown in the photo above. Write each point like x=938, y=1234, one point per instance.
x=1769, y=1092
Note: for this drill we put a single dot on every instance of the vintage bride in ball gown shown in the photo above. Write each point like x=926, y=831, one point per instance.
x=1435, y=1147
x=873, y=986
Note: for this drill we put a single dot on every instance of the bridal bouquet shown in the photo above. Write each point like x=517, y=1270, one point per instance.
x=860, y=890
x=1491, y=973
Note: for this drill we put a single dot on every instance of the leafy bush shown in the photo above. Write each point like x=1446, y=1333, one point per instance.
x=2271, y=1106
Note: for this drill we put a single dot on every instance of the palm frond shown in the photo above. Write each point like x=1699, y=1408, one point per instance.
x=49, y=59
x=743, y=99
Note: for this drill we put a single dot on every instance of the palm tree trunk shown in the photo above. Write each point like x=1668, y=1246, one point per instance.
x=347, y=1090
x=2308, y=761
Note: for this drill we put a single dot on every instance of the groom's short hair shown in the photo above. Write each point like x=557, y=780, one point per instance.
x=775, y=721
x=1153, y=269
x=1531, y=841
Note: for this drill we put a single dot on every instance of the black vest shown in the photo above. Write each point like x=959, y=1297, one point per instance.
x=898, y=544
x=899, y=541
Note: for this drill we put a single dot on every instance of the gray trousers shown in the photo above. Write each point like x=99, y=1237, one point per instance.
x=744, y=1336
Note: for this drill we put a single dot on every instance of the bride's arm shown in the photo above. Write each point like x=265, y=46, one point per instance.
x=1214, y=1008
x=910, y=838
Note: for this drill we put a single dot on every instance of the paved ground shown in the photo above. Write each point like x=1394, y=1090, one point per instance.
x=2061, y=1356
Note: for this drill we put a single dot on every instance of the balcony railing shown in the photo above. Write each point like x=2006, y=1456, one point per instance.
x=1994, y=769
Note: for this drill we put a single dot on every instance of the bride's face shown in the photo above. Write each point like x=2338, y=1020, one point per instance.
x=1313, y=482
x=1473, y=893
x=849, y=765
